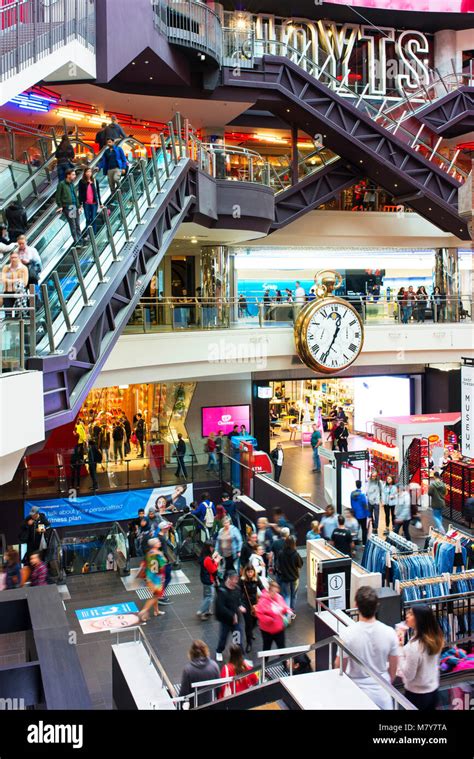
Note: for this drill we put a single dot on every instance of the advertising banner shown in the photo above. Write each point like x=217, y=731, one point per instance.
x=103, y=618
x=109, y=507
x=467, y=393
x=432, y=6
x=223, y=418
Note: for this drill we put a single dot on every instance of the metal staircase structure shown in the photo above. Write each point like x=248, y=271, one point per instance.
x=284, y=88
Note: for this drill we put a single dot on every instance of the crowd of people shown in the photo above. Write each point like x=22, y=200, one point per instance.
x=414, y=304
x=22, y=266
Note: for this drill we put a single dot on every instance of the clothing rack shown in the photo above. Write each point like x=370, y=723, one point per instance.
x=462, y=534
x=402, y=542
x=434, y=533
x=448, y=577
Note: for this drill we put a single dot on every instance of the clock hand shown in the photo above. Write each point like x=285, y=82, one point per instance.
x=336, y=331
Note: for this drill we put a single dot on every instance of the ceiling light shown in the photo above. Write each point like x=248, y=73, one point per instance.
x=194, y=241
x=361, y=161
x=287, y=110
x=151, y=77
x=133, y=63
x=147, y=62
x=395, y=185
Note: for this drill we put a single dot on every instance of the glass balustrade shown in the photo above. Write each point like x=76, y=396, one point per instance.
x=159, y=314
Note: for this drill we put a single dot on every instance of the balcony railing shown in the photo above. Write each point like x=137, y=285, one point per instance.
x=191, y=24
x=163, y=314
x=32, y=29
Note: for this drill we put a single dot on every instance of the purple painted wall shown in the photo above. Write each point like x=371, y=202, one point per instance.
x=124, y=30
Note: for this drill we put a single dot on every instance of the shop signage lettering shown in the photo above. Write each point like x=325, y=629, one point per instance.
x=467, y=392
x=392, y=59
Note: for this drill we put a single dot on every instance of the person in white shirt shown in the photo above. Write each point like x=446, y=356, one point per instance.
x=300, y=295
x=373, y=643
x=419, y=659
x=277, y=457
x=257, y=561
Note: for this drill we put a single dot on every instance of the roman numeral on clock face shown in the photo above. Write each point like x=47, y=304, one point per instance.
x=352, y=348
x=354, y=321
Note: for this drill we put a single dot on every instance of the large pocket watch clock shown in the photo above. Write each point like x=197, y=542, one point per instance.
x=329, y=333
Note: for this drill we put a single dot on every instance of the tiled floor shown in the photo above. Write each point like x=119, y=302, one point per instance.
x=170, y=635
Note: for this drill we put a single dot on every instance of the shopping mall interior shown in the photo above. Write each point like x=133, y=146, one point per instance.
x=237, y=286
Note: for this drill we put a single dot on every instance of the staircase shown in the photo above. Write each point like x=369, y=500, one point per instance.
x=287, y=90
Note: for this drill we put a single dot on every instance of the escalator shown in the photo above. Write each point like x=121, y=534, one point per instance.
x=191, y=534
x=287, y=90
x=89, y=290
x=34, y=188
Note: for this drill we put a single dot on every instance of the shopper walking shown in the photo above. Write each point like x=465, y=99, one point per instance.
x=33, y=531
x=289, y=568
x=359, y=507
x=374, y=498
x=314, y=532
x=342, y=537
x=12, y=569
x=408, y=302
x=101, y=136
x=155, y=563
x=316, y=443
x=251, y=587
x=210, y=448
x=89, y=197
x=200, y=668
x=402, y=511
x=229, y=544
x=237, y=666
x=273, y=615
x=209, y=564
x=64, y=157
x=257, y=561
x=94, y=457
x=437, y=492
x=248, y=548
x=118, y=434
x=421, y=301
x=17, y=220
x=419, y=659
x=180, y=453
x=438, y=300
x=114, y=164
x=228, y=607
x=39, y=570
x=328, y=523
x=277, y=457
x=68, y=203
x=114, y=131
x=77, y=462
x=140, y=434
x=373, y=643
x=341, y=435
x=389, y=499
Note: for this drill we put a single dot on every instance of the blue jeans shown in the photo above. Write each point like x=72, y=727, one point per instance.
x=289, y=591
x=316, y=459
x=212, y=462
x=207, y=598
x=438, y=520
x=90, y=213
x=406, y=314
x=224, y=632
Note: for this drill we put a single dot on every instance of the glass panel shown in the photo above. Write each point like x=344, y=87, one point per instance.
x=10, y=346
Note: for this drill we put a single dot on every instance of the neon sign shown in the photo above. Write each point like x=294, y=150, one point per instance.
x=381, y=60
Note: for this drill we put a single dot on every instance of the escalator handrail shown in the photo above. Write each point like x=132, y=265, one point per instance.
x=247, y=519
x=34, y=176
x=52, y=212
x=196, y=519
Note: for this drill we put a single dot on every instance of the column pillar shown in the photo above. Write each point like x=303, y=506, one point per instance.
x=446, y=277
x=215, y=285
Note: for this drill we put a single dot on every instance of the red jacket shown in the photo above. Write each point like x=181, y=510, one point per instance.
x=244, y=683
x=270, y=612
x=211, y=445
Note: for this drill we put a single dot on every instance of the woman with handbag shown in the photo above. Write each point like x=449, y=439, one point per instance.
x=274, y=615
x=237, y=666
x=251, y=587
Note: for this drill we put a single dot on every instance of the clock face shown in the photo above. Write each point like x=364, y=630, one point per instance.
x=330, y=335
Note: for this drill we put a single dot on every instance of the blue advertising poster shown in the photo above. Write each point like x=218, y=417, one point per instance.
x=103, y=618
x=109, y=507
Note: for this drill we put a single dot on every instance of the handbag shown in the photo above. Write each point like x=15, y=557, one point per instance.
x=133, y=438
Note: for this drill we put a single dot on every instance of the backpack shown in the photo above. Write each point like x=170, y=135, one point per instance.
x=209, y=516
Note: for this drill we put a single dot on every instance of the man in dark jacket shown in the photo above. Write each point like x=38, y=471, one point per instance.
x=114, y=131
x=33, y=530
x=17, y=220
x=289, y=566
x=200, y=668
x=277, y=456
x=230, y=507
x=94, y=457
x=437, y=492
x=67, y=201
x=140, y=433
x=228, y=605
x=101, y=136
x=180, y=454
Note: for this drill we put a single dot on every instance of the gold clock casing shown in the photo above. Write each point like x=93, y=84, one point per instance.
x=300, y=331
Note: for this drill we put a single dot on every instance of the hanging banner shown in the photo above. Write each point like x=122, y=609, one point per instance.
x=111, y=507
x=467, y=393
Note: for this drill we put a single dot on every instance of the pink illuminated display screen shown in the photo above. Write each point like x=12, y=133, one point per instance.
x=222, y=418
x=433, y=6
